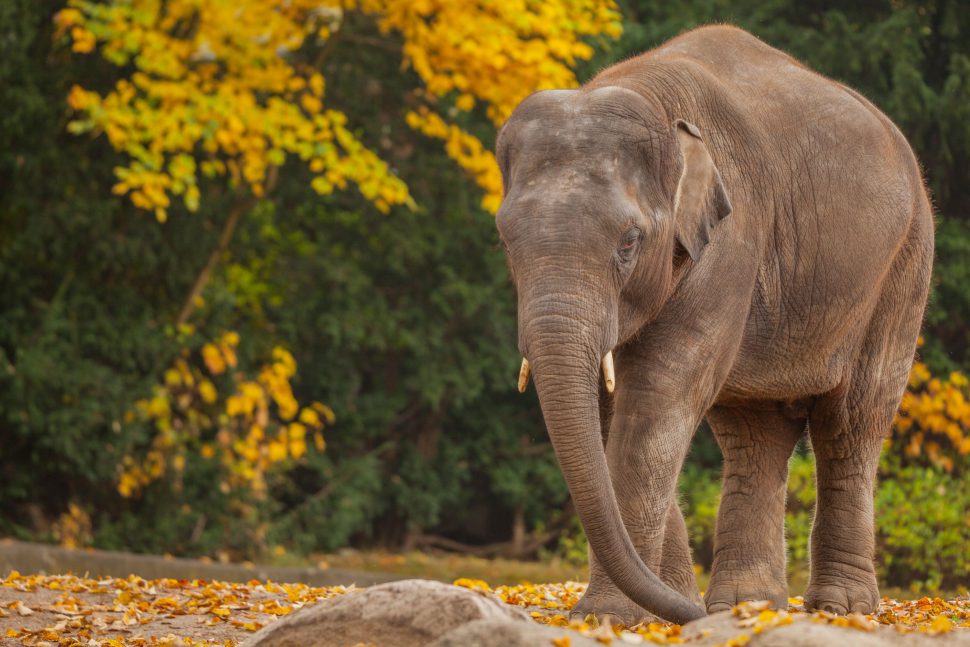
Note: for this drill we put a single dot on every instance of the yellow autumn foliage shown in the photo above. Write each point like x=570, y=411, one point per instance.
x=934, y=417
x=232, y=89
x=251, y=428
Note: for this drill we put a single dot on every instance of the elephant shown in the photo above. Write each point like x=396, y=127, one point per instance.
x=724, y=234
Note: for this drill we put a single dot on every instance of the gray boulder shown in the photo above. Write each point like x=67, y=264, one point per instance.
x=501, y=633
x=398, y=614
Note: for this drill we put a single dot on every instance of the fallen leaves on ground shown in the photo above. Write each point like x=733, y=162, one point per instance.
x=111, y=612
x=926, y=615
x=71, y=611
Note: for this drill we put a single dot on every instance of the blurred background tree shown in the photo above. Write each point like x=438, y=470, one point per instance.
x=241, y=133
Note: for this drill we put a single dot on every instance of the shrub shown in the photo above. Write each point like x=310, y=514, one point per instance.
x=800, y=508
x=922, y=527
x=700, y=493
x=922, y=520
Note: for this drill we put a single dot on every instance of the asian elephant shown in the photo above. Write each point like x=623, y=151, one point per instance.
x=749, y=241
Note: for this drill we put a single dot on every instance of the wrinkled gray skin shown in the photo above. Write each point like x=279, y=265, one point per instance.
x=753, y=242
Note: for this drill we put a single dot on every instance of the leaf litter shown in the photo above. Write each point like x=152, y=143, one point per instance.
x=73, y=611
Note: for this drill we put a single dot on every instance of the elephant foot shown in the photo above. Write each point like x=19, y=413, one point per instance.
x=855, y=592
x=611, y=608
x=724, y=593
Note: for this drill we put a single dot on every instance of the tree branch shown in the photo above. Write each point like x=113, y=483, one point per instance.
x=505, y=548
x=239, y=207
x=228, y=229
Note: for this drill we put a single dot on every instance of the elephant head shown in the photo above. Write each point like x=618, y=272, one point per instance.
x=604, y=199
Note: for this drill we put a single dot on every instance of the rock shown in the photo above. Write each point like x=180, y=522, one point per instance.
x=719, y=628
x=808, y=634
x=715, y=629
x=398, y=614
x=499, y=633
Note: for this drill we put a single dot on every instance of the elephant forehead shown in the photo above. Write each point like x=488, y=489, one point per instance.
x=566, y=176
x=587, y=142
x=575, y=210
x=610, y=108
x=571, y=155
x=580, y=132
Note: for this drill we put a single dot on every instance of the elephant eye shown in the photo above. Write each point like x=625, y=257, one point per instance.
x=629, y=242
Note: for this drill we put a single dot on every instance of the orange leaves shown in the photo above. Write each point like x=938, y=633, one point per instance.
x=221, y=354
x=928, y=615
x=931, y=615
x=21, y=608
x=73, y=528
x=551, y=598
x=934, y=417
x=133, y=612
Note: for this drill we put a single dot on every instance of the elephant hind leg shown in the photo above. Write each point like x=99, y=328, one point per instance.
x=749, y=542
x=848, y=426
x=847, y=431
x=846, y=446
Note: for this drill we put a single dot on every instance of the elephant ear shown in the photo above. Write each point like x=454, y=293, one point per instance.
x=701, y=201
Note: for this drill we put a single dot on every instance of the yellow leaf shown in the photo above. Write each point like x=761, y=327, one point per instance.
x=207, y=391
x=213, y=359
x=475, y=585
x=941, y=624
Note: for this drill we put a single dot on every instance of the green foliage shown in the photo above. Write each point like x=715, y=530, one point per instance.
x=949, y=312
x=571, y=547
x=799, y=508
x=922, y=527
x=78, y=329
x=700, y=494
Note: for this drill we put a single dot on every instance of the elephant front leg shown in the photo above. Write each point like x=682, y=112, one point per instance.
x=609, y=604
x=644, y=459
x=749, y=542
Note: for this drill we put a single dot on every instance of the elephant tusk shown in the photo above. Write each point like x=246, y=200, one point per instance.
x=608, y=375
x=524, y=375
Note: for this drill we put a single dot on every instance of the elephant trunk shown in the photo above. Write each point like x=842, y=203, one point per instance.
x=565, y=359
